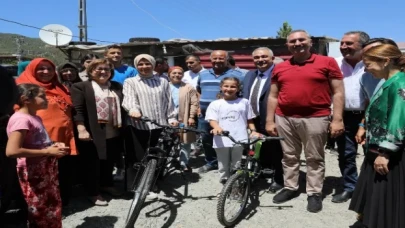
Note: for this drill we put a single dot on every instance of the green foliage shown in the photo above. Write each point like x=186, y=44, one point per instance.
x=32, y=48
x=284, y=30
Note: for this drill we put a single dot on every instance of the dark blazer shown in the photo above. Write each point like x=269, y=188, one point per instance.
x=247, y=86
x=83, y=99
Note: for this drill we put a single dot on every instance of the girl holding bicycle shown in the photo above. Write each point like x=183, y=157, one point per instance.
x=232, y=114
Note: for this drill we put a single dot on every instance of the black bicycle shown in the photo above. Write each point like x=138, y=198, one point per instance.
x=237, y=188
x=157, y=162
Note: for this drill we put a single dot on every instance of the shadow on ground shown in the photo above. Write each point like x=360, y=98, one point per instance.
x=98, y=221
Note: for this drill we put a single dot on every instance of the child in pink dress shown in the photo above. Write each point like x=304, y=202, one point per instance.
x=36, y=155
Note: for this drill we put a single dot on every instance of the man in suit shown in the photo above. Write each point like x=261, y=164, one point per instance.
x=256, y=89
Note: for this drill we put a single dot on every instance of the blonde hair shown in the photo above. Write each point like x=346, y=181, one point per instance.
x=386, y=51
x=93, y=65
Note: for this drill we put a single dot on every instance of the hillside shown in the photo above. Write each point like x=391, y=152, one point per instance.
x=32, y=47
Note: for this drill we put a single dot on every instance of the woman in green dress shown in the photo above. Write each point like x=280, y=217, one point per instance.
x=379, y=196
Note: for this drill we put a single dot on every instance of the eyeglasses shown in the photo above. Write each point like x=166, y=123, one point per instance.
x=103, y=69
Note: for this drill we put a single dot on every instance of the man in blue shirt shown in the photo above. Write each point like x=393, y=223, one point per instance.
x=121, y=71
x=208, y=86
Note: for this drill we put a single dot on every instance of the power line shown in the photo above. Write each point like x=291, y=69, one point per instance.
x=155, y=19
x=34, y=27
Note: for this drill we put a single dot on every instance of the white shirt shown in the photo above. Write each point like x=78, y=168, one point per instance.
x=231, y=116
x=192, y=78
x=262, y=82
x=354, y=95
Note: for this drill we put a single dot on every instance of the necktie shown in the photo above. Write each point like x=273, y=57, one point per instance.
x=255, y=94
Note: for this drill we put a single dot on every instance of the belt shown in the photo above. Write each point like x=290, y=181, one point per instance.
x=355, y=112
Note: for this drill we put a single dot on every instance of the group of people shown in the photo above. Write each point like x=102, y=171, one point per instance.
x=65, y=116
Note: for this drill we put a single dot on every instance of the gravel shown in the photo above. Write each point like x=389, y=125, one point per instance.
x=198, y=209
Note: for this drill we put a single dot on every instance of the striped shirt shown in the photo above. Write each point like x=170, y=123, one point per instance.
x=152, y=98
x=209, y=85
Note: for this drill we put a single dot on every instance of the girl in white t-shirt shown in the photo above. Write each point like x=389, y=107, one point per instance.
x=232, y=114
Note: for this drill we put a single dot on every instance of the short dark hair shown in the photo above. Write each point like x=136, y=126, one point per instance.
x=363, y=36
x=193, y=56
x=160, y=60
x=231, y=60
x=113, y=46
x=87, y=57
x=380, y=40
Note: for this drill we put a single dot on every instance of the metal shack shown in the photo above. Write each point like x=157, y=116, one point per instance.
x=175, y=50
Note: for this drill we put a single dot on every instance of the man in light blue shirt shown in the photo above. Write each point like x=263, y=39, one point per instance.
x=208, y=86
x=121, y=71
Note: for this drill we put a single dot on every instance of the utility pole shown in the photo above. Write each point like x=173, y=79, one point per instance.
x=19, y=41
x=82, y=21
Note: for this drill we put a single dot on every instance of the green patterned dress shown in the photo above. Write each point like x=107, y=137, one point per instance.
x=381, y=198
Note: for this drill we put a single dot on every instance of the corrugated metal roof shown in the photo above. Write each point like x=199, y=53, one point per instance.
x=182, y=40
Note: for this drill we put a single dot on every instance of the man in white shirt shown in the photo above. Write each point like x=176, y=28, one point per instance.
x=195, y=68
x=191, y=77
x=352, y=68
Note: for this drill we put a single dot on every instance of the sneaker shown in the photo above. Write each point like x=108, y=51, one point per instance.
x=119, y=176
x=284, y=196
x=314, y=203
x=98, y=201
x=152, y=196
x=206, y=168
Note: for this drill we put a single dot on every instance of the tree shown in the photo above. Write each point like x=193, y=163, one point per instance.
x=284, y=30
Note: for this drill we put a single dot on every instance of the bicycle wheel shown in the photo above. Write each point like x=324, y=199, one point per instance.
x=140, y=193
x=236, y=191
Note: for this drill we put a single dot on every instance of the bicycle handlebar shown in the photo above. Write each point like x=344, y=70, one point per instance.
x=268, y=138
x=146, y=119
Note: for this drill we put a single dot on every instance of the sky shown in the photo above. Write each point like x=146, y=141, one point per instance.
x=116, y=21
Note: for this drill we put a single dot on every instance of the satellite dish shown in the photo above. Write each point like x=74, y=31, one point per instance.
x=56, y=35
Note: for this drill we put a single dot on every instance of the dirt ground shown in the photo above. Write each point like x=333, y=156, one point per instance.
x=198, y=209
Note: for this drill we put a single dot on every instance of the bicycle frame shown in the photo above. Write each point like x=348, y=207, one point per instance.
x=250, y=154
x=166, y=151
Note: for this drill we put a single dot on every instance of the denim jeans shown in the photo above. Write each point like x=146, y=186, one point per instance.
x=185, y=153
x=347, y=149
x=207, y=140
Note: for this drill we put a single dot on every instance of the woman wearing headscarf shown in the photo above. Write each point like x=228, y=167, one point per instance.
x=98, y=119
x=57, y=118
x=145, y=95
x=186, y=102
x=68, y=74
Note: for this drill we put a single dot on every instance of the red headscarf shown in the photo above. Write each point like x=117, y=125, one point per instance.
x=52, y=88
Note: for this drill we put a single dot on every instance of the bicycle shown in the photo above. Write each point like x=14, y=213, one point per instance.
x=237, y=187
x=156, y=163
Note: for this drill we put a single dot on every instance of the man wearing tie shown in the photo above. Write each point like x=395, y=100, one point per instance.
x=256, y=89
